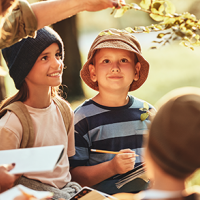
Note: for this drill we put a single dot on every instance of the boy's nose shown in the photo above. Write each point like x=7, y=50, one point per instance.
x=115, y=68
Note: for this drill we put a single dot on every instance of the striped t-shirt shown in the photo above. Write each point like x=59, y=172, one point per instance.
x=107, y=128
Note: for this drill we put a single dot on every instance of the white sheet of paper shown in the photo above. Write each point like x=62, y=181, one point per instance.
x=32, y=160
x=15, y=191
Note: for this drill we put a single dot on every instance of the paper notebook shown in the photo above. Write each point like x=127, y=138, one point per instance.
x=137, y=172
x=32, y=160
x=87, y=193
x=17, y=191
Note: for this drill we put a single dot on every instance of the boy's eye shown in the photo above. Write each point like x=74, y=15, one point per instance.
x=106, y=61
x=124, y=60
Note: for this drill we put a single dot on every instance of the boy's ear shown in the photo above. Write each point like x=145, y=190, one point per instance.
x=92, y=73
x=137, y=71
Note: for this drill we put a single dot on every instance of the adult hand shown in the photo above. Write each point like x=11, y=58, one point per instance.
x=6, y=179
x=123, y=162
x=96, y=5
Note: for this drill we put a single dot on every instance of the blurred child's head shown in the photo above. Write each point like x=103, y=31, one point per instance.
x=22, y=56
x=115, y=44
x=174, y=134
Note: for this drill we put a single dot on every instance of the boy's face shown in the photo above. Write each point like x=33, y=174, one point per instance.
x=114, y=69
x=48, y=68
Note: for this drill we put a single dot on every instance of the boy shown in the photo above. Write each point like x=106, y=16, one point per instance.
x=172, y=147
x=110, y=120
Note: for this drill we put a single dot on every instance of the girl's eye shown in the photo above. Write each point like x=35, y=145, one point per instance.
x=44, y=58
x=106, y=61
x=58, y=55
x=124, y=60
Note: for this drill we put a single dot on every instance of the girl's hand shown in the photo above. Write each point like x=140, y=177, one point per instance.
x=123, y=162
x=6, y=179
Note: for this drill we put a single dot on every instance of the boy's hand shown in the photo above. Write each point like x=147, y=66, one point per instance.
x=123, y=162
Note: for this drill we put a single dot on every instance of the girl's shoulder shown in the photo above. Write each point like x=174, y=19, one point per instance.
x=11, y=122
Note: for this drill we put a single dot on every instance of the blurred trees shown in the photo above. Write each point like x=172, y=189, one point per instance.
x=72, y=62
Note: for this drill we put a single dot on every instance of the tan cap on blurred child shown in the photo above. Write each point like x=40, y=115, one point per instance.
x=174, y=134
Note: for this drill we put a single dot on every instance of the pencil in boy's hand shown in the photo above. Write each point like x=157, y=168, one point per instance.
x=104, y=151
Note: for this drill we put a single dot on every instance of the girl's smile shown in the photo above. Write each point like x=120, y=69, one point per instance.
x=47, y=70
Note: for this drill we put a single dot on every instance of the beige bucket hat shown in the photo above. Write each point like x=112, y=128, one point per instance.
x=117, y=39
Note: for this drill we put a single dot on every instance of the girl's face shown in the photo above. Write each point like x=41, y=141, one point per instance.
x=48, y=68
x=114, y=69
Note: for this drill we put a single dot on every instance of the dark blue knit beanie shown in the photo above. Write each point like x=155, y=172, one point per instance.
x=21, y=56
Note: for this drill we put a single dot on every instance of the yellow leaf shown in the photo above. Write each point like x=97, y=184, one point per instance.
x=145, y=4
x=143, y=116
x=102, y=33
x=158, y=8
x=192, y=48
x=135, y=6
x=160, y=35
x=120, y=12
x=157, y=17
x=130, y=30
x=197, y=37
x=170, y=9
x=147, y=30
x=145, y=105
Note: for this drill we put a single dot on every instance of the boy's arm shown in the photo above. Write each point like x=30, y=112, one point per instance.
x=92, y=175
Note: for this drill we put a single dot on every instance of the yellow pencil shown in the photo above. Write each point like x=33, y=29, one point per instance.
x=104, y=151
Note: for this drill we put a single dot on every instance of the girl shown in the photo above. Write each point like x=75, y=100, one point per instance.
x=36, y=67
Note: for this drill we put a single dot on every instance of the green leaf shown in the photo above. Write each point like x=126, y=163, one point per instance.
x=144, y=116
x=170, y=9
x=145, y=4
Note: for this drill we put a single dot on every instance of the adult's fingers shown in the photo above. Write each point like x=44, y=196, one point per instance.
x=117, y=4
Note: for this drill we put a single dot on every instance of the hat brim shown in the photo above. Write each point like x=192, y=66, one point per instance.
x=116, y=44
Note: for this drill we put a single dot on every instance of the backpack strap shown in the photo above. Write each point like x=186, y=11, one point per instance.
x=64, y=108
x=20, y=110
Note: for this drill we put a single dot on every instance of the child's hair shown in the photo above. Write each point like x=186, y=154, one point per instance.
x=21, y=57
x=116, y=39
x=174, y=134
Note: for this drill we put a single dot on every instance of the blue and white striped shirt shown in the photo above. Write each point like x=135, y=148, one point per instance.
x=107, y=128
